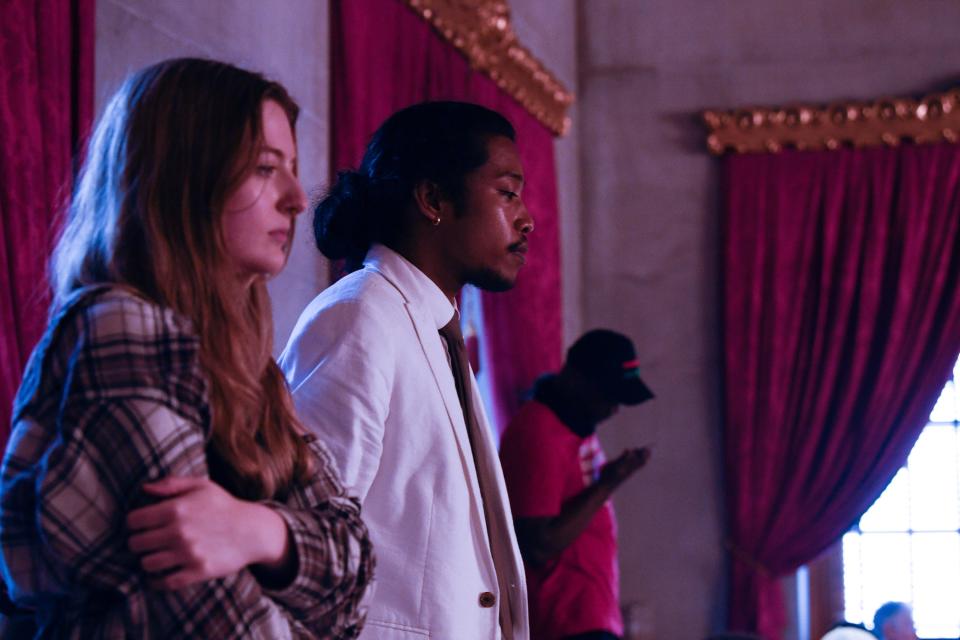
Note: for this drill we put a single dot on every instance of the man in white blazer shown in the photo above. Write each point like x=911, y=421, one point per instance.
x=436, y=204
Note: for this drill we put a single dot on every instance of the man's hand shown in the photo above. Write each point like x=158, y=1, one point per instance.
x=615, y=472
x=541, y=539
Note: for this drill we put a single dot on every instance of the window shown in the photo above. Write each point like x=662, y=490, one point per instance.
x=906, y=547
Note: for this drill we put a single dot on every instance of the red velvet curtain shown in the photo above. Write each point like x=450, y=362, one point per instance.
x=385, y=57
x=841, y=325
x=46, y=103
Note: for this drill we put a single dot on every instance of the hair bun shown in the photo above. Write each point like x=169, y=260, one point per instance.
x=341, y=224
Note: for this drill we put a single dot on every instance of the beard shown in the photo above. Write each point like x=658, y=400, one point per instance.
x=490, y=280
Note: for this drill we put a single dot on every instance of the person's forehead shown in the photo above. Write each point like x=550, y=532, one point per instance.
x=503, y=158
x=276, y=126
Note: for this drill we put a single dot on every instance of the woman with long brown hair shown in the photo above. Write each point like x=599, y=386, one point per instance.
x=157, y=482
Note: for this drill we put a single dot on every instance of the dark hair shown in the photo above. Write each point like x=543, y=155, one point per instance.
x=843, y=624
x=884, y=613
x=437, y=141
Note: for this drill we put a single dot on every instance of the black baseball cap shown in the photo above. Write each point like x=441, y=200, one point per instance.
x=609, y=359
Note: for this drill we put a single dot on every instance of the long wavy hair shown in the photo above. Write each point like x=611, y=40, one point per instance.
x=146, y=214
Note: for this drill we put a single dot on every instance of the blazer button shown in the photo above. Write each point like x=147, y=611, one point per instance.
x=487, y=599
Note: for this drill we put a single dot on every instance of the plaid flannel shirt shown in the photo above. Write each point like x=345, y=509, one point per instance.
x=113, y=396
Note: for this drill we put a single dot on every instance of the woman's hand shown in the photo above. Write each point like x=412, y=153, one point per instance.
x=198, y=532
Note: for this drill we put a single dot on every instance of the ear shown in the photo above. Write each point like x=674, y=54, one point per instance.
x=431, y=201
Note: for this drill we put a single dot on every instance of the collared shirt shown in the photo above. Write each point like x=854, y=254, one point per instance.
x=419, y=290
x=113, y=397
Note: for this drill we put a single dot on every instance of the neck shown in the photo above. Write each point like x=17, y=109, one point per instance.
x=432, y=264
x=564, y=400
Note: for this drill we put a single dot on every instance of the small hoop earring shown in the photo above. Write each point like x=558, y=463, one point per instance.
x=436, y=221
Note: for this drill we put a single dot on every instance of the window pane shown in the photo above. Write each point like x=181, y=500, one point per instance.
x=933, y=480
x=907, y=545
x=852, y=579
x=946, y=408
x=891, y=511
x=886, y=569
x=936, y=580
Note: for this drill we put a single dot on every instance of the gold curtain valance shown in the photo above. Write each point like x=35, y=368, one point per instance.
x=889, y=121
x=481, y=31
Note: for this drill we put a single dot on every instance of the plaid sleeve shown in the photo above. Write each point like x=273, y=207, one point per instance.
x=334, y=553
x=134, y=410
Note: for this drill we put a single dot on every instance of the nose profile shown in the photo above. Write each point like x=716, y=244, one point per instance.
x=294, y=200
x=525, y=222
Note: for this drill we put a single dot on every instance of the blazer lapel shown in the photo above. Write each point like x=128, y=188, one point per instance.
x=433, y=348
x=432, y=345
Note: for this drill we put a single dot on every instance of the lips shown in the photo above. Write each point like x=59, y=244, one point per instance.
x=519, y=249
x=280, y=235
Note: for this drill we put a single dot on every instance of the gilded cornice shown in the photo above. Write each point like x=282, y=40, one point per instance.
x=481, y=31
x=889, y=121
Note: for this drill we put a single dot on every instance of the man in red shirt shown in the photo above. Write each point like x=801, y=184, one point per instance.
x=560, y=488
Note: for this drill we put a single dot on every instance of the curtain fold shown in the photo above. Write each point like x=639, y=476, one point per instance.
x=46, y=104
x=841, y=277
x=385, y=57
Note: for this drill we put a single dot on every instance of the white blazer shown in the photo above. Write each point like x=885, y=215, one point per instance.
x=371, y=377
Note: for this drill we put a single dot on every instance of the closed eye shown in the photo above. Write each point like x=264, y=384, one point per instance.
x=266, y=170
x=509, y=195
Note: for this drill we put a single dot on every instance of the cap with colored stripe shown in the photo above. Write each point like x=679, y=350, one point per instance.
x=610, y=360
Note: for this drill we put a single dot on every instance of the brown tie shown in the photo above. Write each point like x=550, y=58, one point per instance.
x=497, y=527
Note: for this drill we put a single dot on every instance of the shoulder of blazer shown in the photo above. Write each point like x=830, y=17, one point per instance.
x=366, y=286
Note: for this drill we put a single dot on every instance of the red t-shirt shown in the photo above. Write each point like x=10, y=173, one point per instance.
x=545, y=464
